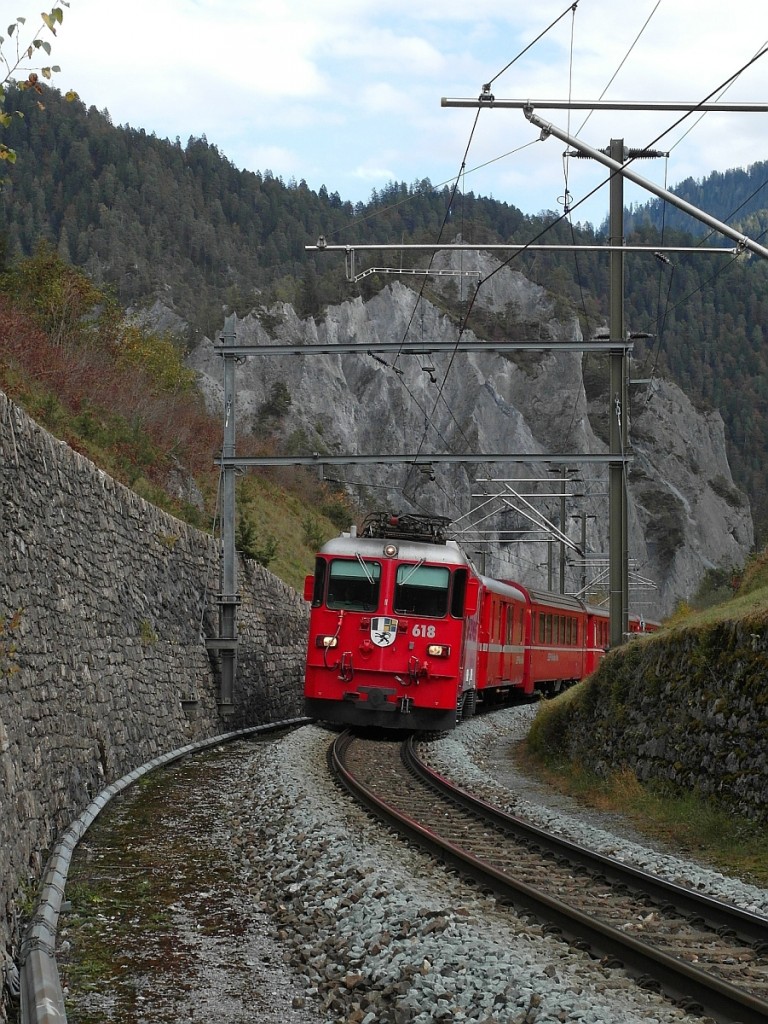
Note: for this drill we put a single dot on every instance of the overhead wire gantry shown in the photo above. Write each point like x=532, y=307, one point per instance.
x=615, y=160
x=617, y=347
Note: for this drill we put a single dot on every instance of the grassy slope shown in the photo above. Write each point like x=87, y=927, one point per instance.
x=684, y=822
x=123, y=398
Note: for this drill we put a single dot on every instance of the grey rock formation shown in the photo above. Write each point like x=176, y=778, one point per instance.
x=686, y=515
x=692, y=517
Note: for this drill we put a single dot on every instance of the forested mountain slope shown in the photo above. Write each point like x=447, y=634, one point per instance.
x=737, y=197
x=155, y=218
x=158, y=219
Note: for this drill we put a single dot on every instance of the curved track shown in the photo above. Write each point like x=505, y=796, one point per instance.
x=708, y=957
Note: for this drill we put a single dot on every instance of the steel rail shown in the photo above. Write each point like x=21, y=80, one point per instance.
x=685, y=984
x=750, y=927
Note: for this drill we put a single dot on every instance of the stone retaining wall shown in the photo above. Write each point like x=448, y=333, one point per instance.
x=104, y=606
x=687, y=710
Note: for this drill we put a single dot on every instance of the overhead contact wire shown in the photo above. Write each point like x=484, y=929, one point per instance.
x=533, y=42
x=430, y=417
x=567, y=207
x=571, y=8
x=589, y=194
x=624, y=60
x=721, y=93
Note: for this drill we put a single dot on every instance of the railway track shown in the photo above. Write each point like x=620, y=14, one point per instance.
x=708, y=957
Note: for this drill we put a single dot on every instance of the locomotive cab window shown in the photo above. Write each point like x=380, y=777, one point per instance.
x=422, y=590
x=459, y=592
x=319, y=584
x=354, y=585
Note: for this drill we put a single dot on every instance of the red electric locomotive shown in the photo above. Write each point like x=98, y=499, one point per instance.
x=404, y=633
x=393, y=626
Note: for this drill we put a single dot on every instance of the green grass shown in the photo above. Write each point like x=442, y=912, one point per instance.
x=750, y=599
x=280, y=515
x=688, y=824
x=743, y=605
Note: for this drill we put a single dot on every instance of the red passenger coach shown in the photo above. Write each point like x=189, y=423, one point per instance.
x=393, y=627
x=502, y=649
x=405, y=634
x=556, y=641
x=551, y=638
x=598, y=638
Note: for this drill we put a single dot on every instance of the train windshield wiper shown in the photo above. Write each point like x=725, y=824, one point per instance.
x=402, y=583
x=368, y=575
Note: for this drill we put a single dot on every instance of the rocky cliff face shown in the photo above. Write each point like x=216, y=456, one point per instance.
x=685, y=513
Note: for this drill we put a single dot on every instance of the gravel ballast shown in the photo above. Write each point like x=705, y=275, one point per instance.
x=343, y=921
x=477, y=757
x=381, y=934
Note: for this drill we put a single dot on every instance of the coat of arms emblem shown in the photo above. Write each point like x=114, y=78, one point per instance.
x=383, y=630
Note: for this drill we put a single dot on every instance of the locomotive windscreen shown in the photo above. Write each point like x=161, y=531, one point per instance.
x=354, y=585
x=422, y=590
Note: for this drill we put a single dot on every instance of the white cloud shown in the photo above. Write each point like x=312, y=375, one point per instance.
x=381, y=97
x=378, y=48
x=374, y=175
x=347, y=92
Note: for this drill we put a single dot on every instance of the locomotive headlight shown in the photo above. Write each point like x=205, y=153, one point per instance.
x=390, y=550
x=326, y=641
x=438, y=650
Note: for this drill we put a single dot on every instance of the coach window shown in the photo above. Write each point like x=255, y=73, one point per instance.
x=354, y=585
x=422, y=590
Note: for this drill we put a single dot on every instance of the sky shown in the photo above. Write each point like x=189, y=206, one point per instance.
x=347, y=93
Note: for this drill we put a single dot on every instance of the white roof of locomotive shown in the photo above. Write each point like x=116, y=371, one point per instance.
x=410, y=550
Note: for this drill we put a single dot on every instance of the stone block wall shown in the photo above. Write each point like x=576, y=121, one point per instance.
x=687, y=710
x=105, y=602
